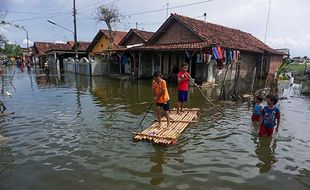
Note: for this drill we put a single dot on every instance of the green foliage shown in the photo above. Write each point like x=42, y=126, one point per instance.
x=295, y=68
x=12, y=50
x=282, y=68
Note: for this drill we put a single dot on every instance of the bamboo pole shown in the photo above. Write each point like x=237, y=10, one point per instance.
x=205, y=96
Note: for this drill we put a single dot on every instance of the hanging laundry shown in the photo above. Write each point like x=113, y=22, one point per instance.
x=224, y=56
x=188, y=55
x=199, y=58
x=238, y=54
x=215, y=53
x=231, y=55
x=220, y=52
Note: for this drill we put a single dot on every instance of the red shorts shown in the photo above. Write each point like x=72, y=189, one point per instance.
x=255, y=117
x=264, y=131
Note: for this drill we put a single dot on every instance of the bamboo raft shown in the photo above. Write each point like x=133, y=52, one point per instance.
x=168, y=135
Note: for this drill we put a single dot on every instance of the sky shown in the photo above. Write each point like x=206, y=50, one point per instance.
x=288, y=25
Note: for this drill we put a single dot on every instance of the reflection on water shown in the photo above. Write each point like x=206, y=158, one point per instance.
x=265, y=151
x=157, y=170
x=75, y=132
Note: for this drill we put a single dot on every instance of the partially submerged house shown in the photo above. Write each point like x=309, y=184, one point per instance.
x=126, y=62
x=98, y=46
x=207, y=48
x=38, y=50
x=58, y=53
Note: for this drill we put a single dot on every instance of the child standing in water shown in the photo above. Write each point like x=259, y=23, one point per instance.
x=268, y=118
x=161, y=97
x=257, y=109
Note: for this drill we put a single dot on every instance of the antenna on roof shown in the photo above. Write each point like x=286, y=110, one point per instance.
x=205, y=16
x=167, y=10
x=137, y=25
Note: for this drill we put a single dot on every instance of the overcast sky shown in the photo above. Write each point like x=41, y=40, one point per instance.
x=288, y=25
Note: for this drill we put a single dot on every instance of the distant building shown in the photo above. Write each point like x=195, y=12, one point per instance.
x=285, y=52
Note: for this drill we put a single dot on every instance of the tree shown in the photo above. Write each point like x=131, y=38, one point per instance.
x=109, y=15
x=3, y=40
x=12, y=50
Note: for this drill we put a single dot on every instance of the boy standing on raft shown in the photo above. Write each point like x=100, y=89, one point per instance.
x=161, y=97
x=268, y=118
x=183, y=80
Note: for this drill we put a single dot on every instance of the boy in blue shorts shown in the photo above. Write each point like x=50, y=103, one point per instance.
x=269, y=116
x=183, y=80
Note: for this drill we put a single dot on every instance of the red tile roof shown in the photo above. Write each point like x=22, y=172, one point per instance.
x=118, y=36
x=82, y=45
x=213, y=34
x=42, y=47
x=144, y=35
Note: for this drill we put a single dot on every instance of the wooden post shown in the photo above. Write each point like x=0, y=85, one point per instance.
x=160, y=63
x=120, y=62
x=140, y=65
x=134, y=63
x=153, y=65
x=190, y=66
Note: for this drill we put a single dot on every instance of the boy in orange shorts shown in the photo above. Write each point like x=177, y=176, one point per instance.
x=161, y=97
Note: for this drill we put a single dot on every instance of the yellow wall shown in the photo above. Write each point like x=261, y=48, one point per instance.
x=101, y=45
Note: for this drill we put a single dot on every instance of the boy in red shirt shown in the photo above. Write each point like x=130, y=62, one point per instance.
x=183, y=80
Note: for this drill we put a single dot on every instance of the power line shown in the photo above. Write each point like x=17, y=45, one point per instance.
x=38, y=17
x=169, y=8
x=32, y=13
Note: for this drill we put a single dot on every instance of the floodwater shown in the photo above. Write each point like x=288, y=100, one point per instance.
x=74, y=132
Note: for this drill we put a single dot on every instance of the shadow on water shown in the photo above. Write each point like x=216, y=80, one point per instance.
x=74, y=132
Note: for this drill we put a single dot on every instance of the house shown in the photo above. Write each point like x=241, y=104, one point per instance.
x=183, y=39
x=127, y=61
x=38, y=50
x=58, y=52
x=102, y=40
x=98, y=46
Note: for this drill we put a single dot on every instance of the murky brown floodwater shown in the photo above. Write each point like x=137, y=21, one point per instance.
x=75, y=133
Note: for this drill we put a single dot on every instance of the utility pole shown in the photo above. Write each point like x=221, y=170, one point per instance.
x=27, y=42
x=75, y=35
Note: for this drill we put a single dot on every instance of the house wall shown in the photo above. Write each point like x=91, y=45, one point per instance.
x=248, y=62
x=274, y=61
x=177, y=33
x=101, y=45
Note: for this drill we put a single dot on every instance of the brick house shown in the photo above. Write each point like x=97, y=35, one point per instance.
x=181, y=39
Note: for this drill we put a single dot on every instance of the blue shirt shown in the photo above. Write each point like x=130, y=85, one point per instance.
x=269, y=116
x=257, y=110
